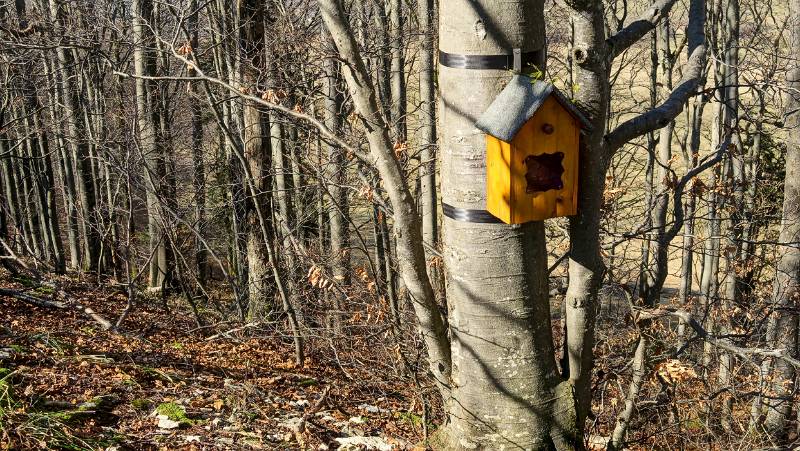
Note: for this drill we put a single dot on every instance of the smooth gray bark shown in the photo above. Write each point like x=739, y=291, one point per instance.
x=398, y=81
x=586, y=267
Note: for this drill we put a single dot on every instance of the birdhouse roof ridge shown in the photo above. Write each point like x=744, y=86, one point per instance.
x=518, y=102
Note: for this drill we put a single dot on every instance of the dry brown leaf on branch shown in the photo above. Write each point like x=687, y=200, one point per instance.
x=612, y=194
x=185, y=49
x=698, y=186
x=366, y=192
x=318, y=279
x=274, y=95
x=672, y=160
x=674, y=371
x=400, y=149
x=670, y=181
x=352, y=118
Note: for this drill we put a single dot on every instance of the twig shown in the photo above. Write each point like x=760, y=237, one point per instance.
x=301, y=426
x=723, y=343
x=235, y=329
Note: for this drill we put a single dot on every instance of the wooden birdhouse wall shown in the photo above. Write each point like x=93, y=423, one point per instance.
x=507, y=188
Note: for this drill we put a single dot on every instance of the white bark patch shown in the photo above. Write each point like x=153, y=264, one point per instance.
x=472, y=196
x=522, y=312
x=480, y=29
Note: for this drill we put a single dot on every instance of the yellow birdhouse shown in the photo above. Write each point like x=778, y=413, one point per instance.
x=532, y=134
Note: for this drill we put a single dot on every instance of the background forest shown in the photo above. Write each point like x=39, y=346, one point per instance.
x=222, y=227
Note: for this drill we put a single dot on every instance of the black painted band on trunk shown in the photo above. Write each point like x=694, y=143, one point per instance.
x=497, y=62
x=462, y=214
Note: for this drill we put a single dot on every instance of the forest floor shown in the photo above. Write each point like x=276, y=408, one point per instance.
x=164, y=383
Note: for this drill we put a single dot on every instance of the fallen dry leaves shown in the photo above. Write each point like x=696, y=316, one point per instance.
x=238, y=393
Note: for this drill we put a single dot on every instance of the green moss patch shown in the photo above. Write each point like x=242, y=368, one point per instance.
x=174, y=412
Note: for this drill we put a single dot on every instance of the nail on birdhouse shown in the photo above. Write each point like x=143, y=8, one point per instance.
x=532, y=135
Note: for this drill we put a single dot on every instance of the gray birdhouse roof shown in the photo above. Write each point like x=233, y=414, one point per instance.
x=518, y=102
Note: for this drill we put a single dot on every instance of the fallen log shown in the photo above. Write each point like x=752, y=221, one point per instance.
x=47, y=303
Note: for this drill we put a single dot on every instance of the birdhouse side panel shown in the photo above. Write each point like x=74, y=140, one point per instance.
x=498, y=178
x=568, y=140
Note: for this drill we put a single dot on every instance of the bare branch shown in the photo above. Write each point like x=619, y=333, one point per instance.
x=635, y=30
x=720, y=342
x=201, y=76
x=694, y=71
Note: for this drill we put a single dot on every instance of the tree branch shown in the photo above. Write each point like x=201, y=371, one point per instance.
x=723, y=343
x=635, y=30
x=694, y=72
x=677, y=197
x=244, y=95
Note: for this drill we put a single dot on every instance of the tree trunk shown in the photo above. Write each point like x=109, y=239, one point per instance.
x=383, y=60
x=153, y=167
x=687, y=259
x=734, y=175
x=427, y=123
x=398, y=81
x=198, y=164
x=76, y=132
x=787, y=277
x=657, y=271
x=229, y=120
x=28, y=189
x=10, y=181
x=586, y=267
x=256, y=151
x=63, y=167
x=650, y=187
x=407, y=225
x=40, y=153
x=336, y=177
x=506, y=390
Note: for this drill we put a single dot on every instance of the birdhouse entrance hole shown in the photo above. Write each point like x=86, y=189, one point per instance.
x=544, y=172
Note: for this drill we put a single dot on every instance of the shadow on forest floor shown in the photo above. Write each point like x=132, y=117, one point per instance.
x=65, y=383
